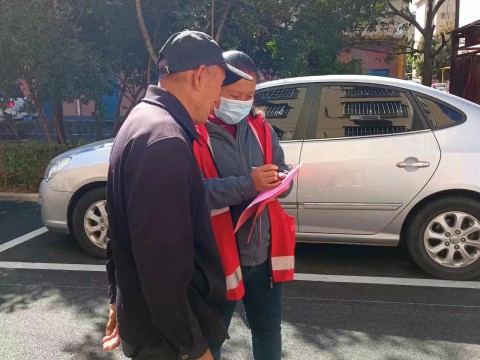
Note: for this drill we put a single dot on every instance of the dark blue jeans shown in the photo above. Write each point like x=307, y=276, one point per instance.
x=263, y=310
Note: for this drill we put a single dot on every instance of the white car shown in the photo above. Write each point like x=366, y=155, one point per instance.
x=385, y=162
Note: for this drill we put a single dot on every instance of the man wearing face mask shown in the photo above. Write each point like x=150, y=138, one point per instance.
x=240, y=156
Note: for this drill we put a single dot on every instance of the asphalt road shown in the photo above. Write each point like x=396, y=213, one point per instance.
x=355, y=312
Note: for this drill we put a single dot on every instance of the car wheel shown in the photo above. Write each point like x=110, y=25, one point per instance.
x=90, y=222
x=444, y=238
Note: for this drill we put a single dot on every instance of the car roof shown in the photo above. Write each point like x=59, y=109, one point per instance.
x=371, y=79
x=368, y=79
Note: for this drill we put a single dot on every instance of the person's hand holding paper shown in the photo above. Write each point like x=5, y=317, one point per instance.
x=265, y=177
x=259, y=203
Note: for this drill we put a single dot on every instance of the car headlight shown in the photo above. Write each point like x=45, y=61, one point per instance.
x=55, y=167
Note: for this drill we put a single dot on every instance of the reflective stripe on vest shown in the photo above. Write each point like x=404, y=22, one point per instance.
x=282, y=225
x=216, y=212
x=234, y=279
x=283, y=262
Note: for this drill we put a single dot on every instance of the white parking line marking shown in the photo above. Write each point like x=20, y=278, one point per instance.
x=50, y=266
x=378, y=280
x=299, y=276
x=380, y=302
x=22, y=239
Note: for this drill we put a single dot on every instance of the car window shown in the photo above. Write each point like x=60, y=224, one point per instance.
x=283, y=108
x=355, y=110
x=439, y=115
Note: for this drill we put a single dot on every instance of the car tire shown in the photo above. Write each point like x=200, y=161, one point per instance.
x=90, y=223
x=441, y=250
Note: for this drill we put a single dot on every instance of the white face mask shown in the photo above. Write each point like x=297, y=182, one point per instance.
x=233, y=111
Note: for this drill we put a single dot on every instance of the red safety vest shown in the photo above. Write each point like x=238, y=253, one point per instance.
x=282, y=225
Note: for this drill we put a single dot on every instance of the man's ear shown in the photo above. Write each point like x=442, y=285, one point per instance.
x=199, y=77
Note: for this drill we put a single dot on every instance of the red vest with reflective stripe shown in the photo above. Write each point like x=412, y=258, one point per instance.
x=282, y=226
x=222, y=223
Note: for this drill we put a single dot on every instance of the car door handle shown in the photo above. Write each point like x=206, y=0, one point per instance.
x=417, y=164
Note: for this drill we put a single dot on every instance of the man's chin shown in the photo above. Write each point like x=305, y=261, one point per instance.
x=200, y=122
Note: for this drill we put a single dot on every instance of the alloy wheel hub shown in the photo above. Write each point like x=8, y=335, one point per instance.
x=96, y=223
x=452, y=239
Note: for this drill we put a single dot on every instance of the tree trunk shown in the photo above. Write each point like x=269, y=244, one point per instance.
x=149, y=72
x=144, y=31
x=57, y=111
x=97, y=120
x=221, y=23
x=117, y=124
x=10, y=125
x=427, y=66
x=428, y=47
x=41, y=114
x=44, y=122
x=212, y=19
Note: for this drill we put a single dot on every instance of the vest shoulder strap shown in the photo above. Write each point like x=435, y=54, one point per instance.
x=262, y=131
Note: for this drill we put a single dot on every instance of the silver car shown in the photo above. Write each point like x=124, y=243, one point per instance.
x=385, y=162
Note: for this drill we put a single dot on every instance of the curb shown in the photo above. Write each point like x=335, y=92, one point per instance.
x=19, y=197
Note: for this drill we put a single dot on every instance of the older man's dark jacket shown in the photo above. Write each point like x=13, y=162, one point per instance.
x=170, y=281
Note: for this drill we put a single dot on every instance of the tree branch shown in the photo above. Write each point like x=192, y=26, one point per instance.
x=144, y=31
x=221, y=23
x=444, y=43
x=406, y=15
x=437, y=7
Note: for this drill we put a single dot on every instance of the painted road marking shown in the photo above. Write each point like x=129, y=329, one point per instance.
x=50, y=266
x=379, y=280
x=337, y=300
x=22, y=239
x=375, y=280
x=299, y=277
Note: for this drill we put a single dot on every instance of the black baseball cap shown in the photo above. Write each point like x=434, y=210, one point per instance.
x=188, y=50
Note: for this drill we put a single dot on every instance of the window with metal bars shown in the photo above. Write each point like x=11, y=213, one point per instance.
x=279, y=94
x=369, y=92
x=382, y=108
x=277, y=111
x=373, y=130
x=285, y=110
x=350, y=111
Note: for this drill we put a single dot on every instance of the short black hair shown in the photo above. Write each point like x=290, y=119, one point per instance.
x=242, y=61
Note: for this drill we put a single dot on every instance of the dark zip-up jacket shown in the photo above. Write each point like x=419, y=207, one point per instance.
x=170, y=281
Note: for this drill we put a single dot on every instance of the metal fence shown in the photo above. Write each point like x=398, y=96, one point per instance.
x=75, y=130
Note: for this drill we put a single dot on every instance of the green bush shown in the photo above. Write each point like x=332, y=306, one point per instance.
x=22, y=164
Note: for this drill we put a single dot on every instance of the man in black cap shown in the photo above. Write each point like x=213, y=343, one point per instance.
x=170, y=294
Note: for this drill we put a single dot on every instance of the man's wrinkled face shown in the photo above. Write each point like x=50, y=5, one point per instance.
x=211, y=88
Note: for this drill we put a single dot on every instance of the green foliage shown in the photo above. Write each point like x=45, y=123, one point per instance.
x=310, y=42
x=442, y=59
x=40, y=44
x=284, y=37
x=70, y=49
x=22, y=164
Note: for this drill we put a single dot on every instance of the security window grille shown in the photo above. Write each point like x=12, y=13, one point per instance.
x=279, y=94
x=373, y=130
x=277, y=111
x=381, y=108
x=370, y=92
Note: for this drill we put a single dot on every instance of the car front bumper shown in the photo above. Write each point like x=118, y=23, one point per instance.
x=54, y=208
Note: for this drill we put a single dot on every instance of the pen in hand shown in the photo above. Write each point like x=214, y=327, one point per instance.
x=266, y=177
x=286, y=172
